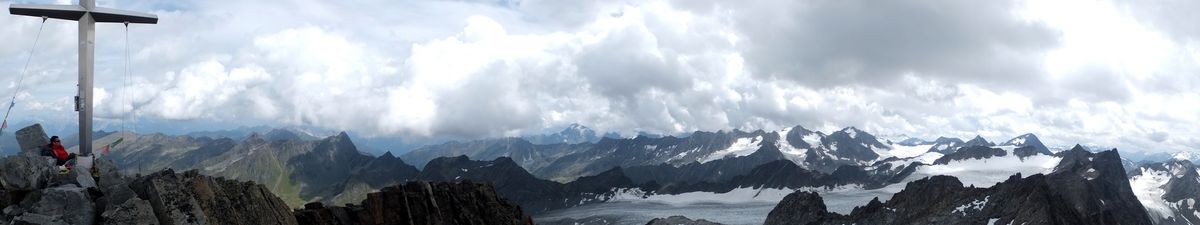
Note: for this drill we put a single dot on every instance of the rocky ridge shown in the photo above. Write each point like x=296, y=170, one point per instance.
x=1085, y=188
x=420, y=203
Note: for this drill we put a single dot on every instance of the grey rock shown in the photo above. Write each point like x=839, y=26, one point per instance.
x=72, y=204
x=132, y=211
x=191, y=198
x=31, y=139
x=109, y=174
x=679, y=220
x=25, y=172
x=169, y=199
x=235, y=202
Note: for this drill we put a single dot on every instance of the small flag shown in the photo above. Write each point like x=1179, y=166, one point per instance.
x=118, y=141
x=105, y=149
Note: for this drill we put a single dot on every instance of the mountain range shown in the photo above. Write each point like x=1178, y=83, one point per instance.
x=569, y=172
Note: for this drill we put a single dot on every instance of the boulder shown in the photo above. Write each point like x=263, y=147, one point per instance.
x=31, y=139
x=132, y=211
x=26, y=172
x=73, y=205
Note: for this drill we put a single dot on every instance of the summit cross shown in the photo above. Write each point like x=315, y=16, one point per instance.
x=88, y=15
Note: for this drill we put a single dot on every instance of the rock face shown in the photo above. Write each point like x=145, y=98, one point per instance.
x=421, y=203
x=679, y=220
x=970, y=152
x=1085, y=188
x=191, y=198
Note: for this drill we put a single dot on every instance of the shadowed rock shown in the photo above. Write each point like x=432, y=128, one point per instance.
x=421, y=203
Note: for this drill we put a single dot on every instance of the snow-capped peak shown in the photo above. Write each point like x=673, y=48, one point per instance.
x=851, y=131
x=1022, y=140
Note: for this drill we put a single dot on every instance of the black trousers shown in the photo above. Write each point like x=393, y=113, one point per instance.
x=64, y=161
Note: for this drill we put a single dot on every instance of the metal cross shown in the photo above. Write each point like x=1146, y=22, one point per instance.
x=88, y=15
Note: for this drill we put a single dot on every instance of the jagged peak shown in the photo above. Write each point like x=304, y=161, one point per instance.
x=387, y=155
x=978, y=140
x=1078, y=147
x=801, y=128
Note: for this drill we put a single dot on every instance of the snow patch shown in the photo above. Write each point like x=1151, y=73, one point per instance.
x=741, y=147
x=976, y=205
x=992, y=221
x=1018, y=141
x=1148, y=189
x=790, y=152
x=813, y=139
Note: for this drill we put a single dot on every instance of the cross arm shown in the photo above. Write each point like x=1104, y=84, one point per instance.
x=64, y=12
x=108, y=15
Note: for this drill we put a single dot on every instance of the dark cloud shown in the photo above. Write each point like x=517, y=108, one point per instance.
x=823, y=43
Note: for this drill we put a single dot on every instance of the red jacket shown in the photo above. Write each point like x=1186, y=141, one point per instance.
x=59, y=152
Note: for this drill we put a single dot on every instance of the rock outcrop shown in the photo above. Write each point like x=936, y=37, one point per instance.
x=1085, y=188
x=191, y=198
x=421, y=203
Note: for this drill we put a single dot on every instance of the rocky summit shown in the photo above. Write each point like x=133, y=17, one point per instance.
x=420, y=203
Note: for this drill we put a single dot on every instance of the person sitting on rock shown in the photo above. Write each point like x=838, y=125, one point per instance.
x=60, y=153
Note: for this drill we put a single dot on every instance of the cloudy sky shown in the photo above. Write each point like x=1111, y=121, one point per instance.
x=1122, y=74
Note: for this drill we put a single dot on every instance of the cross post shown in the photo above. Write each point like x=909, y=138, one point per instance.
x=88, y=15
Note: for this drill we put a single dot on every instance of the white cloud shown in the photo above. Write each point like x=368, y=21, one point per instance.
x=1070, y=71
